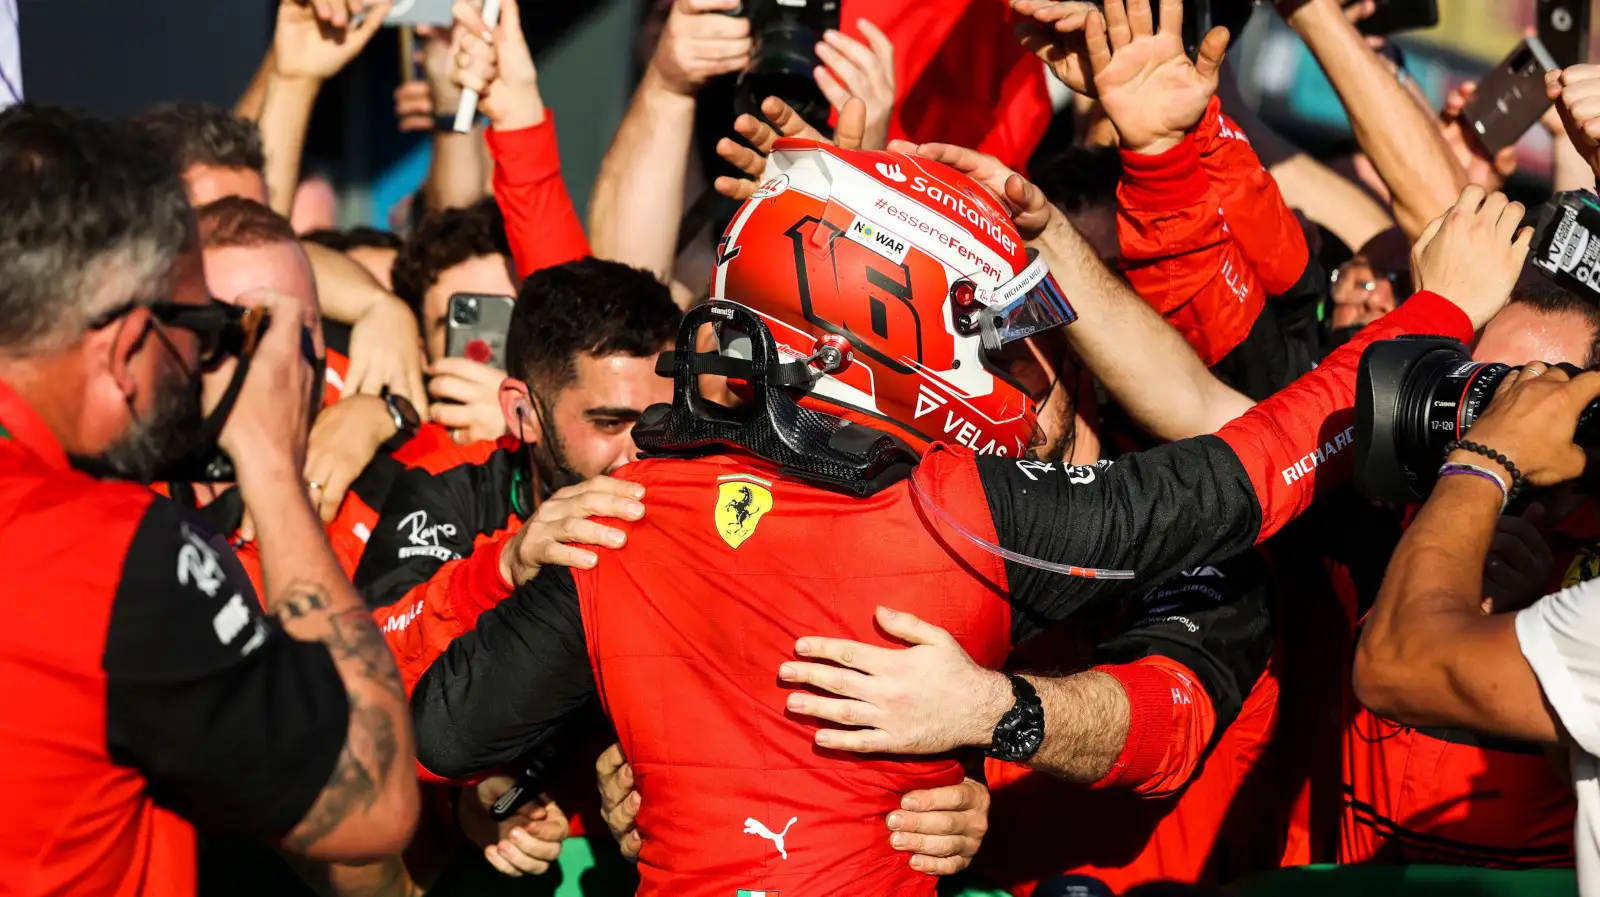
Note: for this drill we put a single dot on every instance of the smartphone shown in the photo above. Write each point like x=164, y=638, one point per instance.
x=475, y=327
x=1399, y=15
x=1510, y=98
x=1564, y=30
x=416, y=12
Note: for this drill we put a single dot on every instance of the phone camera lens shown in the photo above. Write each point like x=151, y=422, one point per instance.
x=466, y=312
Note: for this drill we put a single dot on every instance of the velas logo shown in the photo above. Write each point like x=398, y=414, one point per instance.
x=892, y=172
x=958, y=204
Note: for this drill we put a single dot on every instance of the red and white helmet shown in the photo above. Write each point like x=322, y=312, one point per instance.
x=917, y=266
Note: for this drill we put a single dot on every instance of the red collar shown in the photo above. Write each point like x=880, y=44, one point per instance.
x=22, y=425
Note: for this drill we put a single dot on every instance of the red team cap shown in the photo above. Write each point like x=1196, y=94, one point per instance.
x=919, y=268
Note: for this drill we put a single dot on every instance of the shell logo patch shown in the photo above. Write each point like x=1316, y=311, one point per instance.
x=742, y=500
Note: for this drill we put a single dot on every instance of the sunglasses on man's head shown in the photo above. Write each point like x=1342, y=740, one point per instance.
x=222, y=330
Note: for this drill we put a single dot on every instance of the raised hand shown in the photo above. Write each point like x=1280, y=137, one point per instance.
x=1054, y=32
x=1146, y=83
x=753, y=161
x=1473, y=253
x=864, y=71
x=316, y=41
x=498, y=65
x=1488, y=173
x=1576, y=92
x=699, y=43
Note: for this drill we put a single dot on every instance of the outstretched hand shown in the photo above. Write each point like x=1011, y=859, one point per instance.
x=1053, y=32
x=1146, y=83
x=1029, y=209
x=752, y=159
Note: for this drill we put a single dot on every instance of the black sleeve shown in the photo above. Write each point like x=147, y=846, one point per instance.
x=424, y=524
x=1157, y=512
x=503, y=688
x=235, y=725
x=1217, y=620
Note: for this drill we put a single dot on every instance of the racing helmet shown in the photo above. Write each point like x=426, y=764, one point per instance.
x=912, y=272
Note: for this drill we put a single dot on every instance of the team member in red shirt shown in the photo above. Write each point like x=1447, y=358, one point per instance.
x=1438, y=795
x=142, y=679
x=791, y=519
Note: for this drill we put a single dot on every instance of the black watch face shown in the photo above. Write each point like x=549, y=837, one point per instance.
x=406, y=416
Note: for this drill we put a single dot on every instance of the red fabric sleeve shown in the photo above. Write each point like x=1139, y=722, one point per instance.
x=1287, y=471
x=541, y=223
x=1171, y=720
x=1261, y=223
x=1178, y=254
x=420, y=626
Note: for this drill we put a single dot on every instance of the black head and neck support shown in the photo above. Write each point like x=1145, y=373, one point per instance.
x=818, y=448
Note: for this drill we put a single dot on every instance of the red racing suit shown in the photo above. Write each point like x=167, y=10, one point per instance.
x=541, y=224
x=1206, y=236
x=678, y=635
x=1202, y=707
x=1454, y=797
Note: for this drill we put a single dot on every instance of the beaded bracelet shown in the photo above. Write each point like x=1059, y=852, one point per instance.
x=1517, y=480
x=1454, y=468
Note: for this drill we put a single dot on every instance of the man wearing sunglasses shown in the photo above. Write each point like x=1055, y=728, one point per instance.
x=147, y=696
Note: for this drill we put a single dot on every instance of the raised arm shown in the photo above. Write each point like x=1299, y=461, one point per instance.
x=1402, y=140
x=541, y=224
x=1142, y=361
x=306, y=52
x=369, y=805
x=638, y=197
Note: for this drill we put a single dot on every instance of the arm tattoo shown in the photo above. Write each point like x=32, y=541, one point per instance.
x=357, y=778
x=371, y=745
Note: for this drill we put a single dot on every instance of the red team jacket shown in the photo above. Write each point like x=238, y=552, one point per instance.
x=679, y=634
x=1206, y=236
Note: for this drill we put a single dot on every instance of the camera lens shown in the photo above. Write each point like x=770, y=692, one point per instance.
x=782, y=66
x=1416, y=395
x=464, y=311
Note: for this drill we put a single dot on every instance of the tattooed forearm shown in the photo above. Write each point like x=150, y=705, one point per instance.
x=351, y=635
x=357, y=779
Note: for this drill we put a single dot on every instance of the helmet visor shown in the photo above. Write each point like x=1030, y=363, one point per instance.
x=1028, y=304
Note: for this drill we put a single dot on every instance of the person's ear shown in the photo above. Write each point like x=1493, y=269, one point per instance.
x=516, y=405
x=118, y=347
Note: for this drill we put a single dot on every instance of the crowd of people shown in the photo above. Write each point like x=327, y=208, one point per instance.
x=968, y=500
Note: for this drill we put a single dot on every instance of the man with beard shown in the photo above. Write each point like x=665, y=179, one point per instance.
x=147, y=696
x=451, y=540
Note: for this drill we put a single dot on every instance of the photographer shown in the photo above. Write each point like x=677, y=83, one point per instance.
x=1429, y=656
x=142, y=679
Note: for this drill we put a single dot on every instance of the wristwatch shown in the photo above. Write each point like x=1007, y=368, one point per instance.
x=406, y=418
x=1020, y=732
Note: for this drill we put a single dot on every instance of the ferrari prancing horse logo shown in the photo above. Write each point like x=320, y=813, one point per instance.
x=741, y=501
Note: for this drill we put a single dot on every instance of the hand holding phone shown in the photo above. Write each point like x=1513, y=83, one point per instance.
x=1510, y=99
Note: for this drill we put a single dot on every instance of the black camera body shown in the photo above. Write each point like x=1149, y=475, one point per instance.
x=1415, y=395
x=785, y=34
x=1566, y=242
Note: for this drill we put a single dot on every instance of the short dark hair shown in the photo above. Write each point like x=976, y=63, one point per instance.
x=241, y=221
x=353, y=238
x=590, y=306
x=85, y=205
x=1081, y=177
x=197, y=134
x=1553, y=300
x=441, y=241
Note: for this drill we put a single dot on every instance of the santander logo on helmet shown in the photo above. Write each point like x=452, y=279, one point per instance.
x=900, y=256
